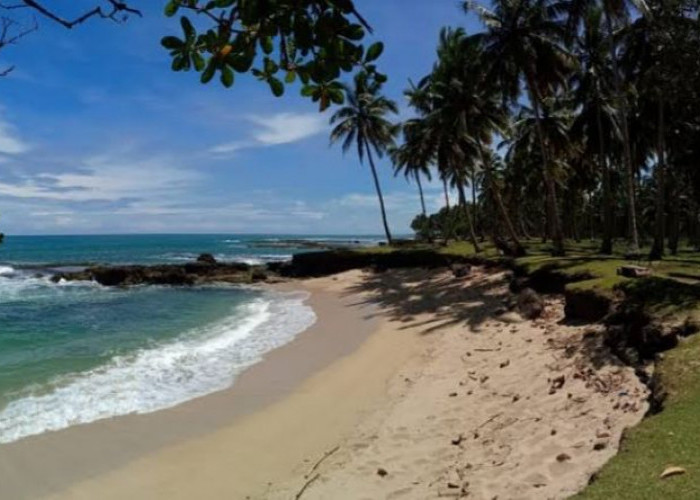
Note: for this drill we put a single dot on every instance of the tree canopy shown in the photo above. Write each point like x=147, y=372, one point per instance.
x=313, y=41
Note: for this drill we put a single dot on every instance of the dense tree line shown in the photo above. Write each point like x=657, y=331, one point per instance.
x=569, y=118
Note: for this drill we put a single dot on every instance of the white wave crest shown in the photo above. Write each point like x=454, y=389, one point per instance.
x=201, y=362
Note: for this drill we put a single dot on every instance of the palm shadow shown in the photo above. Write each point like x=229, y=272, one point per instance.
x=407, y=294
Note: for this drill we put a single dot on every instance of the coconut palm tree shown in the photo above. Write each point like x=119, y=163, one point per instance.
x=523, y=42
x=616, y=16
x=467, y=113
x=413, y=158
x=363, y=122
x=596, y=123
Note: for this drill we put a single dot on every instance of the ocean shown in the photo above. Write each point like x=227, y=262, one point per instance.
x=73, y=353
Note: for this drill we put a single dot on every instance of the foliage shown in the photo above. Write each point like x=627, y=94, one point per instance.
x=314, y=41
x=364, y=123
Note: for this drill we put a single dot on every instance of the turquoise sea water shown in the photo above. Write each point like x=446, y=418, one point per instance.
x=77, y=352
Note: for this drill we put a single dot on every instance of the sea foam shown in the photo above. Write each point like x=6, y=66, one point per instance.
x=199, y=362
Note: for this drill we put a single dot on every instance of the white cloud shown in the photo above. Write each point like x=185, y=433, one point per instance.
x=105, y=179
x=273, y=130
x=9, y=142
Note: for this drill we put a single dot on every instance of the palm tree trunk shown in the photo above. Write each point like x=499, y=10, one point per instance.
x=624, y=125
x=518, y=249
x=550, y=186
x=606, y=246
x=467, y=215
x=420, y=192
x=475, y=208
x=379, y=193
x=447, y=194
x=657, y=249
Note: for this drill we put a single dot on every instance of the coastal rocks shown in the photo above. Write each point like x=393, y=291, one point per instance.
x=530, y=304
x=173, y=275
x=206, y=258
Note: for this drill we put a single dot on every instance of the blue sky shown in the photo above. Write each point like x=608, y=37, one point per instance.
x=97, y=135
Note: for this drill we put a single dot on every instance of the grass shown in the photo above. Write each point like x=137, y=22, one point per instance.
x=672, y=437
x=669, y=438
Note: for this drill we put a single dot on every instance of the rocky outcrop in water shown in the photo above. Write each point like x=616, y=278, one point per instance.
x=176, y=275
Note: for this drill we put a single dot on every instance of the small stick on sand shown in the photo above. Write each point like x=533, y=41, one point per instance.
x=320, y=461
x=306, y=485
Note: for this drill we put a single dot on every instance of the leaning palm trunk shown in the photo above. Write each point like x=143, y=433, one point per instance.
x=447, y=194
x=422, y=196
x=606, y=246
x=624, y=125
x=379, y=193
x=463, y=202
x=517, y=249
x=552, y=210
x=657, y=249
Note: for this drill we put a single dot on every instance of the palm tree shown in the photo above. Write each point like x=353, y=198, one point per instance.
x=523, y=41
x=596, y=123
x=363, y=122
x=413, y=157
x=616, y=13
x=466, y=114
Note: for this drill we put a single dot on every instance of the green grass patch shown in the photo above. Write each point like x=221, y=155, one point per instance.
x=669, y=438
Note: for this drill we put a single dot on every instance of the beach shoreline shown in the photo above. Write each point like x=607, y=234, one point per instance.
x=407, y=386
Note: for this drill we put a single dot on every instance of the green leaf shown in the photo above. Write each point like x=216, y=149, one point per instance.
x=308, y=90
x=270, y=66
x=374, y=52
x=198, y=61
x=171, y=8
x=208, y=73
x=291, y=77
x=337, y=96
x=266, y=44
x=187, y=28
x=172, y=42
x=227, y=76
x=276, y=86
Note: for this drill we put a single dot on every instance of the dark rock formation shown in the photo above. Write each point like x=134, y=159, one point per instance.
x=206, y=258
x=530, y=304
x=461, y=271
x=175, y=275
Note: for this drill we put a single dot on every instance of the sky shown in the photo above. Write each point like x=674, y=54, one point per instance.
x=99, y=136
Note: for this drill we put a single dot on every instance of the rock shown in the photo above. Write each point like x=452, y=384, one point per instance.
x=600, y=445
x=530, y=304
x=258, y=275
x=206, y=258
x=453, y=394
x=563, y=457
x=672, y=471
x=505, y=364
x=461, y=271
x=633, y=271
x=511, y=317
x=458, y=440
x=559, y=382
x=382, y=472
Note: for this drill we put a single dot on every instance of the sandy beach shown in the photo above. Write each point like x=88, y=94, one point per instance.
x=412, y=384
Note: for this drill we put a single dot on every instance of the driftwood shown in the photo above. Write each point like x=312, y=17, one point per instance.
x=306, y=485
x=320, y=461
